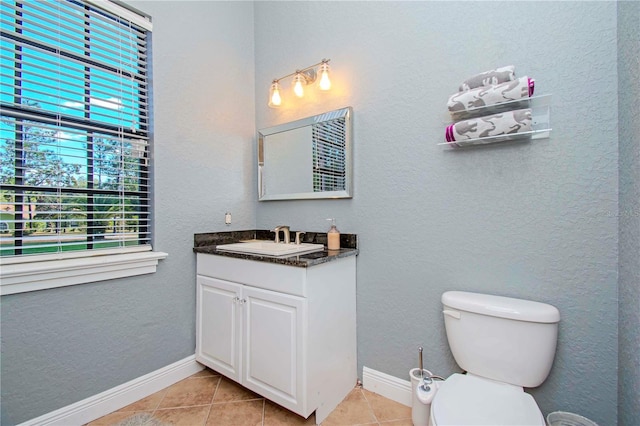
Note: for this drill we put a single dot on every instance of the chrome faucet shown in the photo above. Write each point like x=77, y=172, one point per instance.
x=285, y=229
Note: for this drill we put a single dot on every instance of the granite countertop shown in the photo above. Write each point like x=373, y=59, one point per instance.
x=206, y=243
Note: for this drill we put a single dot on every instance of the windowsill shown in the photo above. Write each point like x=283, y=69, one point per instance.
x=25, y=274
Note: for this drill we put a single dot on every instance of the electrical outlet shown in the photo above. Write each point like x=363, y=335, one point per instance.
x=227, y=218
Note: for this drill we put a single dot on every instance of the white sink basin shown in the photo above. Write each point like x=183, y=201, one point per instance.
x=270, y=248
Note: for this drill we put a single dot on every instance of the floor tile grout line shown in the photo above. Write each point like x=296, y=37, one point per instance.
x=370, y=407
x=237, y=400
x=215, y=391
x=153, y=413
x=177, y=407
x=206, y=418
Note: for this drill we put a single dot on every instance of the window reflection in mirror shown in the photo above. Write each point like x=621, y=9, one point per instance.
x=308, y=158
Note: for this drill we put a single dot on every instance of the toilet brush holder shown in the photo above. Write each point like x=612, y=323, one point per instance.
x=419, y=412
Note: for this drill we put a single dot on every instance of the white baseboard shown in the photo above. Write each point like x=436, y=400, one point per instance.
x=388, y=386
x=114, y=399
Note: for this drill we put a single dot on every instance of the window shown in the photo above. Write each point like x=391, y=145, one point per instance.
x=74, y=129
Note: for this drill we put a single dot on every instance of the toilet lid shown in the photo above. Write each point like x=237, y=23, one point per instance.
x=470, y=400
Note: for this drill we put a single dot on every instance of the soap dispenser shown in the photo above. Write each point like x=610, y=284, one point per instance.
x=333, y=236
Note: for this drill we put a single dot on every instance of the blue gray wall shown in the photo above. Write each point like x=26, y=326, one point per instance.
x=536, y=220
x=532, y=220
x=629, y=213
x=64, y=345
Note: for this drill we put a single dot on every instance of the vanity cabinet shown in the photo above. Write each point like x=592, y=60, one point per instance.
x=287, y=333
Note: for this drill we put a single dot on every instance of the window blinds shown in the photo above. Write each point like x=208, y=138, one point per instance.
x=74, y=127
x=328, y=150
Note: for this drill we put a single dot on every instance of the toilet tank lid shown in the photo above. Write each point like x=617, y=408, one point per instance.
x=500, y=306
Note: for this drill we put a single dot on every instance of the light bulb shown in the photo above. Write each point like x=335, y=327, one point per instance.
x=297, y=85
x=325, y=83
x=274, y=95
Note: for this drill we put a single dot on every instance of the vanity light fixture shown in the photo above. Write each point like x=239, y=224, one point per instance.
x=301, y=78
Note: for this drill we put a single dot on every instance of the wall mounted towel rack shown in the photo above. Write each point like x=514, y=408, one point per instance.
x=540, y=111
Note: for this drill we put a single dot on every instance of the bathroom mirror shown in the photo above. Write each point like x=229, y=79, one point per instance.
x=307, y=158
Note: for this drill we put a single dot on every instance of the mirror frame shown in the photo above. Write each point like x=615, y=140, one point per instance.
x=347, y=114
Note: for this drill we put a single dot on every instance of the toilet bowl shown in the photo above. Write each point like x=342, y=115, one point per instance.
x=504, y=344
x=470, y=400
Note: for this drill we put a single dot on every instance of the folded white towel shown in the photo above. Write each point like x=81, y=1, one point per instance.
x=491, y=95
x=505, y=123
x=488, y=78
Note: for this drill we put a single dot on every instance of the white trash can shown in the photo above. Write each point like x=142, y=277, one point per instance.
x=563, y=418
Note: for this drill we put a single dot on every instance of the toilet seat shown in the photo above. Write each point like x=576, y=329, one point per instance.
x=471, y=400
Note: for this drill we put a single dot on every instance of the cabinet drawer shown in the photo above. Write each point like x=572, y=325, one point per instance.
x=270, y=276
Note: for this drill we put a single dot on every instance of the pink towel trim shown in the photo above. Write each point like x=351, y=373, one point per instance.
x=532, y=84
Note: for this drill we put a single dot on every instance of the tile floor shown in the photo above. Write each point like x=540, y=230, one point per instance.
x=207, y=399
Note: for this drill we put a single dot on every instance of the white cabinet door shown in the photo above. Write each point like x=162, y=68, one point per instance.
x=273, y=345
x=218, y=325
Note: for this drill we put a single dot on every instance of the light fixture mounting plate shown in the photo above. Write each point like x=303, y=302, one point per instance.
x=309, y=75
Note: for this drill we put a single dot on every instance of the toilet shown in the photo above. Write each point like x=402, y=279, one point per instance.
x=504, y=345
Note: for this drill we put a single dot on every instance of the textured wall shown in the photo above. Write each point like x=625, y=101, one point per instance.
x=533, y=220
x=63, y=345
x=629, y=214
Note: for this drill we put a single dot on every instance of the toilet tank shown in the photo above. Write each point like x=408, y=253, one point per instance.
x=501, y=338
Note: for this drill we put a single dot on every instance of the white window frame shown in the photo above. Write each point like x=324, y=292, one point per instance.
x=40, y=272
